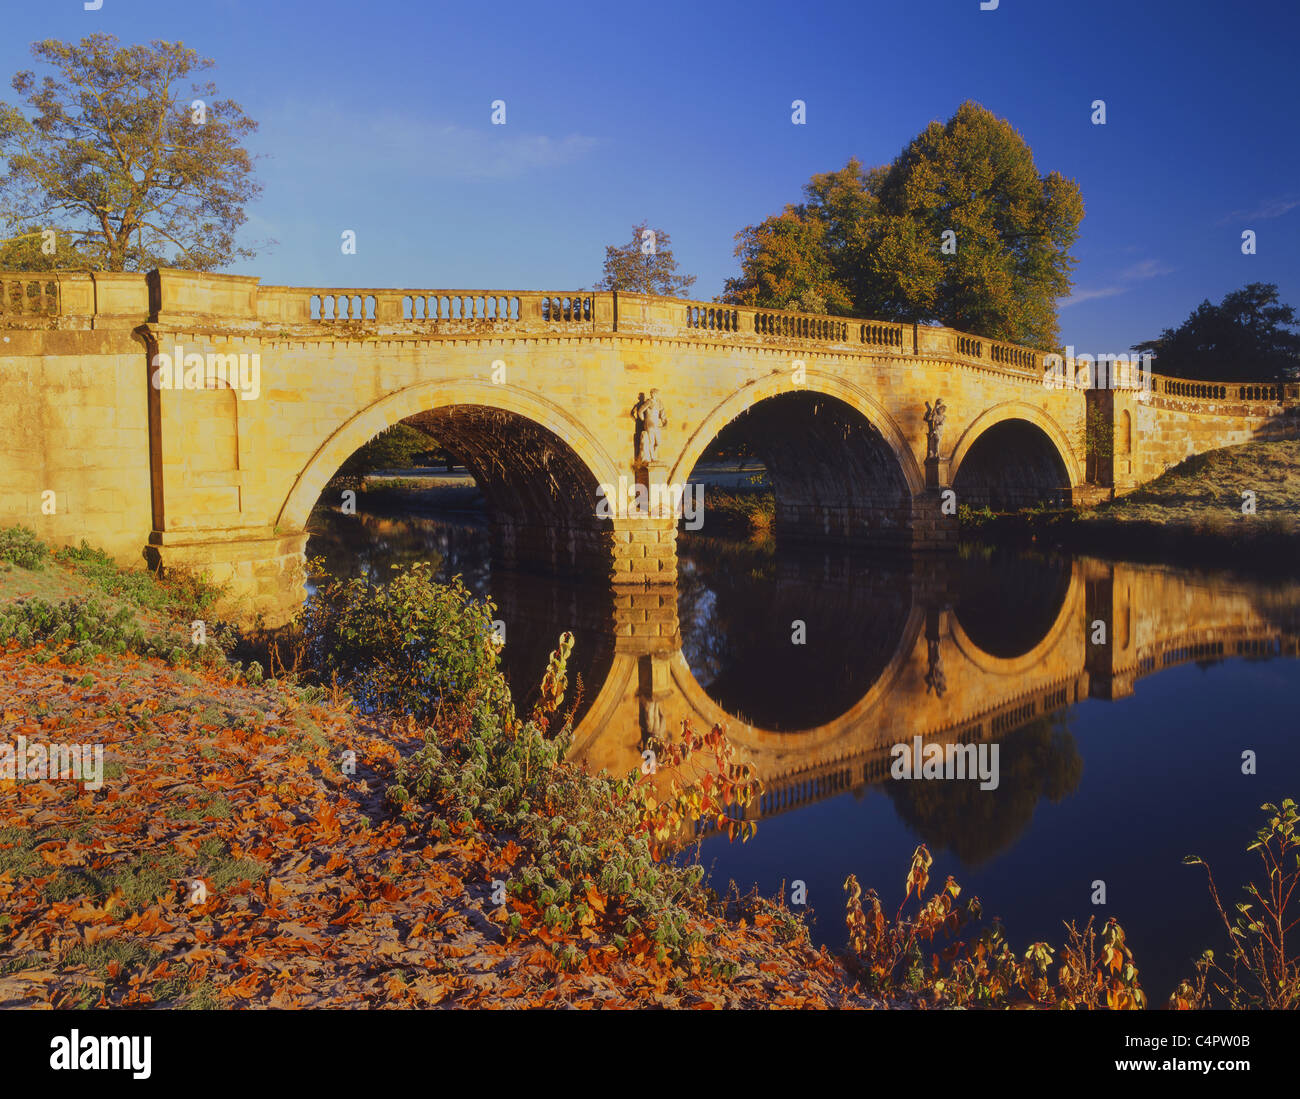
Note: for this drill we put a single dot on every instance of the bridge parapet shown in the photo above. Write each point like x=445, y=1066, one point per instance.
x=82, y=299
x=444, y=311
x=72, y=299
x=26, y=296
x=1179, y=393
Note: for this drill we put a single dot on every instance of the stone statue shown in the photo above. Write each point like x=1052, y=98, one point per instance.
x=934, y=421
x=935, y=680
x=650, y=417
x=654, y=725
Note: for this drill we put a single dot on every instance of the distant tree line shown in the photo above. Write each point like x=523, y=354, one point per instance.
x=1249, y=336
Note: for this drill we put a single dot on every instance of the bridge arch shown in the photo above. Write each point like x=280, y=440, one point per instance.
x=778, y=384
x=839, y=467
x=430, y=397
x=1023, y=442
x=608, y=735
x=1069, y=615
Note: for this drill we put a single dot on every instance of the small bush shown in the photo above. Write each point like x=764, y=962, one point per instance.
x=423, y=651
x=78, y=629
x=920, y=954
x=751, y=511
x=1262, y=971
x=88, y=626
x=20, y=546
x=410, y=646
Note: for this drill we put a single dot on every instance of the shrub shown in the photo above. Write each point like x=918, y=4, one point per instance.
x=586, y=860
x=970, y=518
x=411, y=646
x=748, y=510
x=78, y=629
x=20, y=546
x=1262, y=971
x=890, y=956
x=423, y=650
x=85, y=624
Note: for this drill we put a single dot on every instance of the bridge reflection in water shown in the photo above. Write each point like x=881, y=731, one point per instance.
x=992, y=649
x=966, y=649
x=956, y=652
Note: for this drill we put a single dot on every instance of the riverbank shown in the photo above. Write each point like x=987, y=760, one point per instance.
x=228, y=861
x=382, y=829
x=1236, y=507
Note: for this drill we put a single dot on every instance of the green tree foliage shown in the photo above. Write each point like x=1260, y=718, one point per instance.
x=1039, y=761
x=869, y=242
x=110, y=148
x=637, y=269
x=1249, y=336
x=410, y=645
x=397, y=447
x=25, y=251
x=787, y=265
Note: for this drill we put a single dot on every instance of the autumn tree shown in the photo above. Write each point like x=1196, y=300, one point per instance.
x=960, y=230
x=121, y=150
x=787, y=266
x=1249, y=336
x=645, y=266
x=32, y=248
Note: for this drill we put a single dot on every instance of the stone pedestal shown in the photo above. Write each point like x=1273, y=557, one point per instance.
x=937, y=472
x=644, y=551
x=644, y=538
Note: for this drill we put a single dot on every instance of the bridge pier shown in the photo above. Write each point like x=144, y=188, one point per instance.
x=933, y=527
x=643, y=551
x=264, y=573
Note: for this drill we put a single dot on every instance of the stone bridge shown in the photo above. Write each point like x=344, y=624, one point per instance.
x=274, y=387
x=935, y=670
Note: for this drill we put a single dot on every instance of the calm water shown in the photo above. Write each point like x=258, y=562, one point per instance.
x=1114, y=760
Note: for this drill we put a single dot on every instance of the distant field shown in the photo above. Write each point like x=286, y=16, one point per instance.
x=723, y=474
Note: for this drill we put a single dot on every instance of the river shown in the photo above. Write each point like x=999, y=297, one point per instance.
x=1119, y=750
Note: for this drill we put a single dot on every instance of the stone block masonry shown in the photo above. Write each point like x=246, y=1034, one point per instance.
x=535, y=390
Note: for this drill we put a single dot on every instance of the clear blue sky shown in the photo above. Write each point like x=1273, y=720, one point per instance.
x=375, y=117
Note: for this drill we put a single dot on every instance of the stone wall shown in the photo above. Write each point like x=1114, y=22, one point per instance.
x=74, y=422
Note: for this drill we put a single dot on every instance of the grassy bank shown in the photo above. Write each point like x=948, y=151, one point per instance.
x=1192, y=514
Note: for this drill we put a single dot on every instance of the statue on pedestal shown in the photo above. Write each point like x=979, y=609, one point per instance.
x=934, y=423
x=650, y=418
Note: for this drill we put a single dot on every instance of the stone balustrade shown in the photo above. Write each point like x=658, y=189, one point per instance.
x=1021, y=358
x=877, y=334
x=1193, y=395
x=28, y=295
x=78, y=299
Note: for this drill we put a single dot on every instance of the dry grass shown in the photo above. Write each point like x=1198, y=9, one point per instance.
x=1204, y=493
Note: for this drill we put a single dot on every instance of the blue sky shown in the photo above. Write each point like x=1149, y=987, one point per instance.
x=375, y=117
